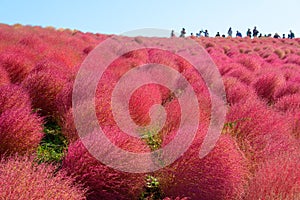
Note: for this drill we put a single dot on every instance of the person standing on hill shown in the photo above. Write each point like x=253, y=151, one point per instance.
x=255, y=32
x=238, y=34
x=249, y=33
x=199, y=34
x=192, y=35
x=172, y=33
x=206, y=33
x=276, y=35
x=291, y=35
x=182, y=34
x=230, y=32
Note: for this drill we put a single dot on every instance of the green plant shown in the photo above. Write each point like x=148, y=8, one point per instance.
x=152, y=189
x=152, y=138
x=53, y=146
x=229, y=126
x=154, y=141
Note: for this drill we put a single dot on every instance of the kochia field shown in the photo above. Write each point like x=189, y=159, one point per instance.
x=257, y=155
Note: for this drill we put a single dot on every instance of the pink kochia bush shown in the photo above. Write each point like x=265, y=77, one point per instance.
x=20, y=131
x=23, y=179
x=219, y=175
x=63, y=100
x=43, y=87
x=17, y=64
x=237, y=92
x=278, y=179
x=255, y=157
x=288, y=89
x=4, y=77
x=141, y=101
x=14, y=96
x=68, y=127
x=289, y=106
x=103, y=181
x=267, y=84
x=261, y=133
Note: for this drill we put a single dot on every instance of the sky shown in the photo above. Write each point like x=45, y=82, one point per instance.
x=119, y=16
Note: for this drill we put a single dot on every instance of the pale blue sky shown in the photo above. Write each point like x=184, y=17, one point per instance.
x=118, y=16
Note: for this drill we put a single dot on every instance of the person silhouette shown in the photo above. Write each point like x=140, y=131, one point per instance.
x=182, y=33
x=238, y=34
x=276, y=35
x=255, y=32
x=249, y=33
x=230, y=32
x=291, y=35
x=172, y=34
x=199, y=34
x=206, y=33
x=192, y=35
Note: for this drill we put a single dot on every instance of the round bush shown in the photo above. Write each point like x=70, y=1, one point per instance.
x=20, y=131
x=17, y=64
x=63, y=101
x=288, y=104
x=237, y=92
x=68, y=127
x=23, y=179
x=277, y=178
x=267, y=84
x=14, y=96
x=4, y=77
x=43, y=87
x=105, y=182
x=219, y=175
x=260, y=131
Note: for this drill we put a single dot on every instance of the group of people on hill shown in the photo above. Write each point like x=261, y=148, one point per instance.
x=254, y=33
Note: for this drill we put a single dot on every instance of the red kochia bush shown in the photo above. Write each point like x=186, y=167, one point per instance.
x=236, y=91
x=277, y=178
x=267, y=84
x=294, y=59
x=4, y=77
x=141, y=101
x=288, y=89
x=288, y=104
x=251, y=62
x=20, y=131
x=260, y=132
x=105, y=182
x=244, y=75
x=149, y=95
x=17, y=64
x=14, y=96
x=43, y=87
x=68, y=127
x=219, y=175
x=63, y=101
x=23, y=179
x=55, y=66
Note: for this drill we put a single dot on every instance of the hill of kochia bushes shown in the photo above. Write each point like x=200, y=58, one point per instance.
x=256, y=157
